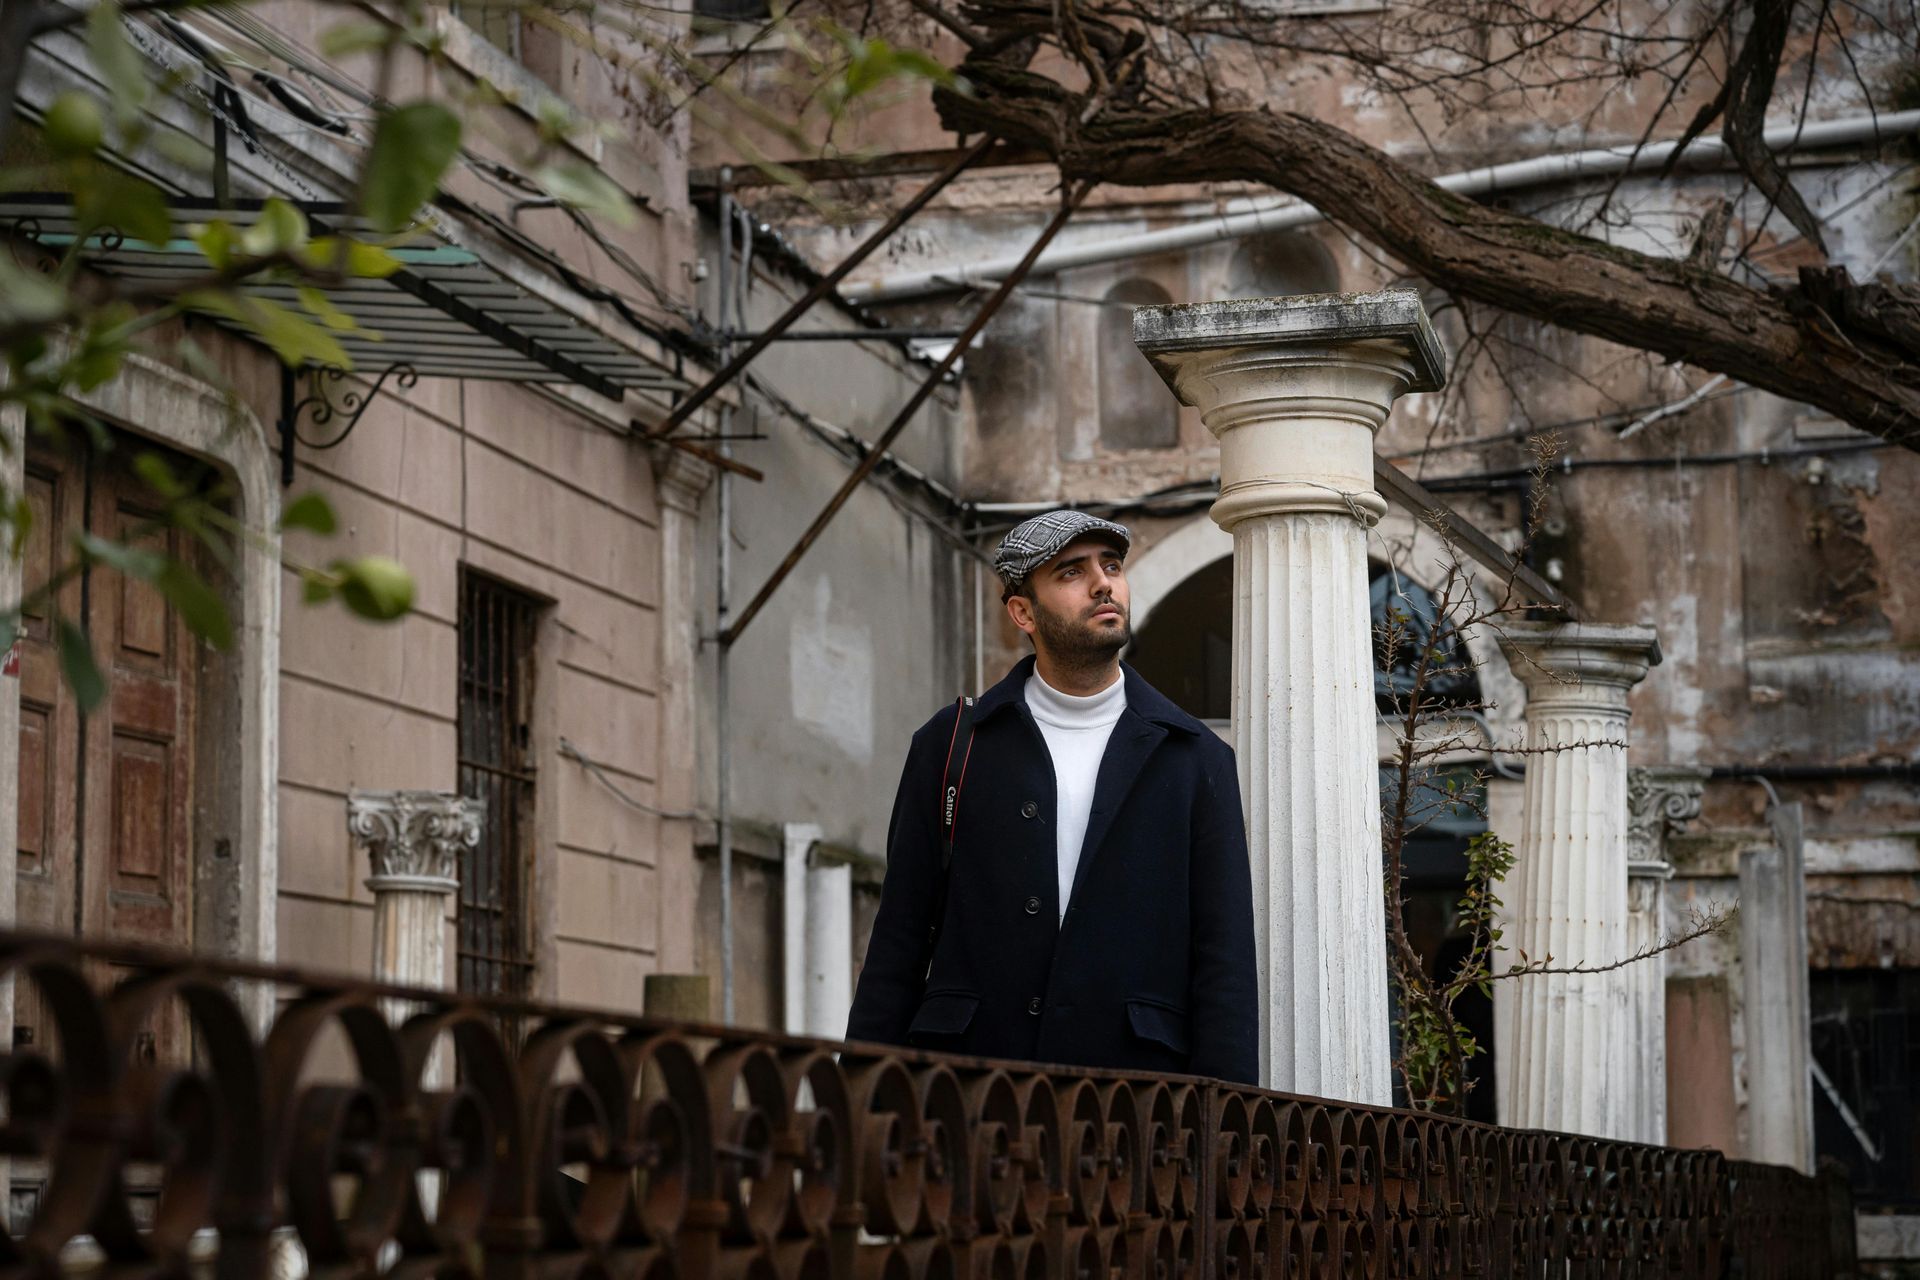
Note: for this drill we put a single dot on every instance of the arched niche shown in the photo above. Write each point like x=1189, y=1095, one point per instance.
x=1280, y=263
x=1136, y=409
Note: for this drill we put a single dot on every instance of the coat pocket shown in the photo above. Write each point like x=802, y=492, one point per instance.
x=1159, y=1023
x=942, y=1019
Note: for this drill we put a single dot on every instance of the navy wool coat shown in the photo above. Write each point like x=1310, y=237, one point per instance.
x=1153, y=968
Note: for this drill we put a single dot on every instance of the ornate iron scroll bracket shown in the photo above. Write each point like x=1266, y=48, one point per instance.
x=320, y=406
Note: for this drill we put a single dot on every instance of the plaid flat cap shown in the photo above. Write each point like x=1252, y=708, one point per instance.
x=1034, y=542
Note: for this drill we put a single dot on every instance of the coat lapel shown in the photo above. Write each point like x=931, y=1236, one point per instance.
x=1132, y=741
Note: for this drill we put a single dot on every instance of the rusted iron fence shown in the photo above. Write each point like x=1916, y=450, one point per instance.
x=621, y=1148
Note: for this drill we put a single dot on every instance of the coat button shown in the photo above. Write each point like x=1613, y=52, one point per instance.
x=1033, y=906
x=1033, y=1006
x=1028, y=809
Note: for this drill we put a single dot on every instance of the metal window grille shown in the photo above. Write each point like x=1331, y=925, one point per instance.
x=497, y=768
x=1866, y=1038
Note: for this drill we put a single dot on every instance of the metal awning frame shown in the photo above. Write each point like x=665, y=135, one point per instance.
x=445, y=313
x=463, y=315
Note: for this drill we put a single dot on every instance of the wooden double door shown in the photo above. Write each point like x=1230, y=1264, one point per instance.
x=106, y=800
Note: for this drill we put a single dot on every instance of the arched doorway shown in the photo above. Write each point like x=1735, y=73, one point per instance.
x=1183, y=646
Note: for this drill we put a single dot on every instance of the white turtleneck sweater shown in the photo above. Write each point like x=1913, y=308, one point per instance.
x=1076, y=730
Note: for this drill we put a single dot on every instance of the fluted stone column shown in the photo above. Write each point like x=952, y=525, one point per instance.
x=1295, y=388
x=1558, y=1038
x=1661, y=799
x=413, y=841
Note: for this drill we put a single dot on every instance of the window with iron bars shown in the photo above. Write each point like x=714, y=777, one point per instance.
x=497, y=628
x=1866, y=1040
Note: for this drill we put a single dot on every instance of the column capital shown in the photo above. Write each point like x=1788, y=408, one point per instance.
x=414, y=838
x=1579, y=664
x=1661, y=799
x=1294, y=389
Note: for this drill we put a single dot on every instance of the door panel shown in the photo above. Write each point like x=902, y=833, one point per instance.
x=138, y=763
x=48, y=798
x=105, y=811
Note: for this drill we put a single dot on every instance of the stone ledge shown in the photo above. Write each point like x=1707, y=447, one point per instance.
x=1305, y=319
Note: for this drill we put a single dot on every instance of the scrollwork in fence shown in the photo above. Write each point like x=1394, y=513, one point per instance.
x=614, y=1147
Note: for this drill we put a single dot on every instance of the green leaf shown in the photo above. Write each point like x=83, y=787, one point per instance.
x=20, y=516
x=103, y=199
x=412, y=147
x=294, y=339
x=120, y=65
x=588, y=190
x=316, y=587
x=310, y=511
x=919, y=66
x=28, y=297
x=874, y=62
x=356, y=37
x=73, y=125
x=219, y=242
x=77, y=666
x=199, y=604
x=159, y=476
x=280, y=228
x=375, y=587
x=135, y=562
x=321, y=307
x=363, y=260
x=555, y=118
x=184, y=150
x=95, y=365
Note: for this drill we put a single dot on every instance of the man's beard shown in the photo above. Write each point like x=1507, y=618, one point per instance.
x=1076, y=641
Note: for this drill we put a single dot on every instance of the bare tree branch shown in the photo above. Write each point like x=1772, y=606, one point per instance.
x=1699, y=925
x=1847, y=350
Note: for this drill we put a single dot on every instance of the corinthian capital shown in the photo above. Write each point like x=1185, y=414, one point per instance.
x=1661, y=799
x=414, y=838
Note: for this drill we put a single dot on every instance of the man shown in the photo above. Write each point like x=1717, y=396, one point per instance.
x=1098, y=910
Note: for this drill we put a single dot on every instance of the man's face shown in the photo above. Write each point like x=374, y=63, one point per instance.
x=1079, y=605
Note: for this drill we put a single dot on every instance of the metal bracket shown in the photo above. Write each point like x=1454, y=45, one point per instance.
x=321, y=408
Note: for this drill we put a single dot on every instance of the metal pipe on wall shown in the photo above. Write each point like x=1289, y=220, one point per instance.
x=797, y=841
x=1485, y=180
x=722, y=736
x=829, y=948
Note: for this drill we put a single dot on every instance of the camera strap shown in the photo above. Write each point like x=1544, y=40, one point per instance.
x=954, y=776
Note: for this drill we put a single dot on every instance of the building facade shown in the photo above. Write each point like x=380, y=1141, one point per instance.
x=563, y=664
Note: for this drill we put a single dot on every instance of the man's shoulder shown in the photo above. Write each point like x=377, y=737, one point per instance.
x=1149, y=703
x=939, y=724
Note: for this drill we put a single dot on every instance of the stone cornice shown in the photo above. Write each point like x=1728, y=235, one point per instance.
x=681, y=479
x=1390, y=318
x=1579, y=664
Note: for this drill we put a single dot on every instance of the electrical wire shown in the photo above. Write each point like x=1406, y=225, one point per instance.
x=1548, y=428
x=1518, y=477
x=592, y=766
